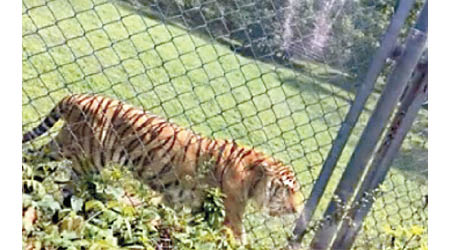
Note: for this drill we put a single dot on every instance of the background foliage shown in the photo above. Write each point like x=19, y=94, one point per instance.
x=258, y=28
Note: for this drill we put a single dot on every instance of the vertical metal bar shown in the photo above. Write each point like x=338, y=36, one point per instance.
x=410, y=105
x=396, y=83
x=387, y=45
x=403, y=121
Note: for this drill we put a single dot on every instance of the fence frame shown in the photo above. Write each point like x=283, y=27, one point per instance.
x=354, y=172
x=411, y=104
x=365, y=88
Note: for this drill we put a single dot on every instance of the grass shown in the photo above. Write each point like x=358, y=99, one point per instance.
x=96, y=46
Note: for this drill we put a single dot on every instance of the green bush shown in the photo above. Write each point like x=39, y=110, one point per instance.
x=112, y=210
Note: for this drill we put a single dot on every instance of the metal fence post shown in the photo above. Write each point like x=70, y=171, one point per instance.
x=387, y=45
x=396, y=83
x=410, y=105
x=403, y=121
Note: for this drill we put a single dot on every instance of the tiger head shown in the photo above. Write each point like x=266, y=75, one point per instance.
x=276, y=189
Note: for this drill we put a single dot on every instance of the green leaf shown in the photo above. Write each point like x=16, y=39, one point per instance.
x=48, y=203
x=76, y=203
x=94, y=205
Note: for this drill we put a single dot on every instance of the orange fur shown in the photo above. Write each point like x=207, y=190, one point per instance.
x=99, y=130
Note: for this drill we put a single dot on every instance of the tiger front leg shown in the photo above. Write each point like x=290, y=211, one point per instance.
x=233, y=218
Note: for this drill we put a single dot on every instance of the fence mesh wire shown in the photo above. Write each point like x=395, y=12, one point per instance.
x=276, y=75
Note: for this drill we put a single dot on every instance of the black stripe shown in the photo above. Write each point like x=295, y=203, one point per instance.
x=249, y=151
x=154, y=134
x=233, y=148
x=122, y=154
x=175, y=135
x=102, y=127
x=116, y=112
x=68, y=107
x=225, y=166
x=136, y=162
x=221, y=149
x=112, y=129
x=141, y=168
x=135, y=143
x=239, y=153
x=208, y=144
x=168, y=185
x=161, y=145
x=272, y=192
x=87, y=107
x=156, y=130
x=102, y=157
x=162, y=187
x=135, y=118
x=186, y=147
x=257, y=162
x=146, y=123
x=99, y=105
x=140, y=139
x=119, y=134
x=43, y=127
x=213, y=147
x=197, y=155
x=85, y=110
x=79, y=163
x=83, y=99
x=164, y=170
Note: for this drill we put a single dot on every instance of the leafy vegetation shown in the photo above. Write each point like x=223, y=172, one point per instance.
x=112, y=210
x=98, y=46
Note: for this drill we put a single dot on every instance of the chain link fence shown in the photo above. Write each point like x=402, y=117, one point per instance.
x=276, y=75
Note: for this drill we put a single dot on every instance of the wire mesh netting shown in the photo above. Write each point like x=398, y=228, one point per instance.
x=275, y=75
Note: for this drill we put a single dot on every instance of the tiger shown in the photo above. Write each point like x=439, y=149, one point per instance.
x=170, y=159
